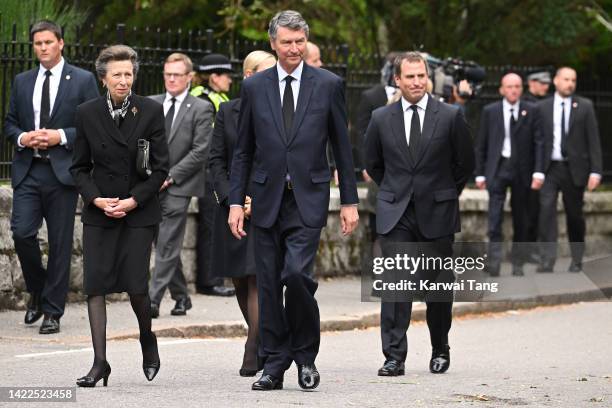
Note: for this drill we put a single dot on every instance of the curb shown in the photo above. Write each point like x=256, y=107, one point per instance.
x=365, y=321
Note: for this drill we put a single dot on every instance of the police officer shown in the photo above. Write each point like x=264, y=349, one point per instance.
x=538, y=84
x=213, y=77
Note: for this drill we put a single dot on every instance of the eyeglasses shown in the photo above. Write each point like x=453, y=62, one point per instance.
x=169, y=75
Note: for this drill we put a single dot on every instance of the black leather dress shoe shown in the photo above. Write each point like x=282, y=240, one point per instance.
x=215, y=291
x=267, y=382
x=517, y=270
x=34, y=311
x=181, y=307
x=154, y=311
x=308, y=376
x=493, y=270
x=50, y=325
x=440, y=360
x=575, y=267
x=391, y=368
x=545, y=267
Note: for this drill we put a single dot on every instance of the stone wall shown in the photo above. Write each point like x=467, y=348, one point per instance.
x=337, y=255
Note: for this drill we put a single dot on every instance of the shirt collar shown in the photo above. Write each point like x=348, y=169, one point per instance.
x=508, y=105
x=56, y=71
x=559, y=99
x=296, y=74
x=179, y=98
x=421, y=103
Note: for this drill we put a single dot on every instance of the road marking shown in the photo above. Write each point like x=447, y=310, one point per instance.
x=90, y=349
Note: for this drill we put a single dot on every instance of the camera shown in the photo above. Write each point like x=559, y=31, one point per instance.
x=466, y=77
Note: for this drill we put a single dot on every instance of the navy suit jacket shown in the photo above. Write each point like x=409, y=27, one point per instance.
x=528, y=140
x=76, y=86
x=262, y=156
x=433, y=181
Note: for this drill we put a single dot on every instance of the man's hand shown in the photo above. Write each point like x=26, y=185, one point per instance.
x=593, y=182
x=482, y=184
x=247, y=207
x=349, y=218
x=48, y=138
x=536, y=183
x=167, y=183
x=30, y=139
x=366, y=176
x=236, y=222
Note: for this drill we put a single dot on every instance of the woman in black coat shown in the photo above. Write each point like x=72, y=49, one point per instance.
x=234, y=258
x=121, y=210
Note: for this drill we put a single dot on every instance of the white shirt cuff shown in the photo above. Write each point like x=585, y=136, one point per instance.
x=539, y=176
x=595, y=175
x=19, y=140
x=350, y=205
x=63, y=140
x=236, y=205
x=480, y=179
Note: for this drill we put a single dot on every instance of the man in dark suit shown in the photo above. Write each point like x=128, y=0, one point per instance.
x=419, y=152
x=572, y=161
x=509, y=155
x=188, y=131
x=40, y=123
x=288, y=113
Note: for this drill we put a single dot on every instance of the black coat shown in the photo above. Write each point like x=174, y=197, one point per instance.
x=371, y=99
x=434, y=181
x=104, y=160
x=583, y=144
x=527, y=136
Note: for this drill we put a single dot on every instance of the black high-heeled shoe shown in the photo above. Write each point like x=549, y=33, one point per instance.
x=88, y=381
x=151, y=368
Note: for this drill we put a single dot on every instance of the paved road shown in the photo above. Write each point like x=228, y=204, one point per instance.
x=547, y=357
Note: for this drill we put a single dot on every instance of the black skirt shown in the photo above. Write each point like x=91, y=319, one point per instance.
x=116, y=259
x=231, y=258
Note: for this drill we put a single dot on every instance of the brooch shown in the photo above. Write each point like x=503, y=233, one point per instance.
x=524, y=113
x=67, y=77
x=134, y=111
x=575, y=105
x=189, y=105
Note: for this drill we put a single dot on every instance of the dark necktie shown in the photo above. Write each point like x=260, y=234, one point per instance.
x=45, y=102
x=563, y=132
x=170, y=117
x=288, y=108
x=513, y=152
x=415, y=133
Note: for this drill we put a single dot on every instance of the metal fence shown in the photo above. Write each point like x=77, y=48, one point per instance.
x=360, y=71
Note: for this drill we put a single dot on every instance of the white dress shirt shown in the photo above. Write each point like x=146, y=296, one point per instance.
x=557, y=111
x=421, y=106
x=54, y=82
x=295, y=84
x=506, y=106
x=177, y=103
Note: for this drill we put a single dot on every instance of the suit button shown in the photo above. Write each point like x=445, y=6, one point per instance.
x=125, y=177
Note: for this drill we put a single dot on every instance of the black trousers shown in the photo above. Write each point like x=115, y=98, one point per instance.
x=395, y=316
x=558, y=178
x=505, y=178
x=284, y=259
x=41, y=195
x=206, y=217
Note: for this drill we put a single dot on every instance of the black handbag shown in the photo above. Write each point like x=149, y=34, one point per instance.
x=143, y=167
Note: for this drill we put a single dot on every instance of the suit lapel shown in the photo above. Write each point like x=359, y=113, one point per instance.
x=108, y=123
x=64, y=85
x=185, y=106
x=500, y=134
x=30, y=95
x=131, y=120
x=429, y=126
x=273, y=93
x=573, y=112
x=399, y=131
x=308, y=82
x=548, y=112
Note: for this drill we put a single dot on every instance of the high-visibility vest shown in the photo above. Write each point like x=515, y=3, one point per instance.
x=216, y=98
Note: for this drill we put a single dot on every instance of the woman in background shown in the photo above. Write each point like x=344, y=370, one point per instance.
x=234, y=258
